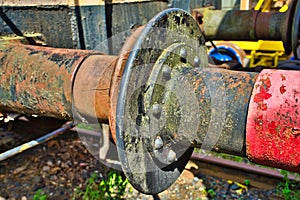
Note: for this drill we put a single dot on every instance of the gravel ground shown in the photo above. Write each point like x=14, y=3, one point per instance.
x=60, y=165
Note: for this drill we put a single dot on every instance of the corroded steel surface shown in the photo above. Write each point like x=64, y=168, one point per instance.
x=135, y=137
x=223, y=97
x=270, y=26
x=92, y=85
x=55, y=82
x=226, y=25
x=244, y=25
x=116, y=79
x=273, y=126
x=38, y=80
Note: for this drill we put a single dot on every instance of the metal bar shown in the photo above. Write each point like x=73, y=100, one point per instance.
x=237, y=171
x=38, y=80
x=259, y=5
x=244, y=25
x=92, y=85
x=33, y=143
x=41, y=81
x=223, y=98
x=254, y=25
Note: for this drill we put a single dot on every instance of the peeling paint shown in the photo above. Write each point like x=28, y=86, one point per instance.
x=273, y=125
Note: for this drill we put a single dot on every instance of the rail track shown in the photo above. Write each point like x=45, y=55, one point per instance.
x=260, y=177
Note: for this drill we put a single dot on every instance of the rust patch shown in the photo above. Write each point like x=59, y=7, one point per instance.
x=289, y=132
x=282, y=89
x=283, y=78
x=38, y=80
x=296, y=132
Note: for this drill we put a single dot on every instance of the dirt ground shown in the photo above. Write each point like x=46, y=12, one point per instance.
x=58, y=166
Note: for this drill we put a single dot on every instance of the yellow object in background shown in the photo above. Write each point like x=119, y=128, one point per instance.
x=262, y=53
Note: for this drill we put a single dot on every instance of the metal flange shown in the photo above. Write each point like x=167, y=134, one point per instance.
x=153, y=111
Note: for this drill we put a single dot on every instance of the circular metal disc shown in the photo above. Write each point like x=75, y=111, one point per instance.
x=150, y=159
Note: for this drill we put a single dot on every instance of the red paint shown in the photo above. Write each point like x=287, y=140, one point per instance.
x=267, y=83
x=273, y=128
x=273, y=122
x=263, y=93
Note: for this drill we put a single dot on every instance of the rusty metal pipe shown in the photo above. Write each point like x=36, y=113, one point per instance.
x=40, y=80
x=92, y=87
x=253, y=25
x=244, y=25
x=223, y=98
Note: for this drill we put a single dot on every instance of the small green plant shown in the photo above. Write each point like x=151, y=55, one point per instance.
x=247, y=182
x=290, y=190
x=111, y=188
x=39, y=196
x=211, y=193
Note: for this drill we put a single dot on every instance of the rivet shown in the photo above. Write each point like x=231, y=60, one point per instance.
x=171, y=156
x=197, y=61
x=183, y=53
x=166, y=73
x=156, y=110
x=158, y=144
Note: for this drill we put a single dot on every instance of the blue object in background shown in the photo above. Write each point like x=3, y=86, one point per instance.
x=224, y=53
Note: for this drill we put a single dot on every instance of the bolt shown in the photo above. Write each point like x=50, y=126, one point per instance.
x=197, y=61
x=166, y=73
x=172, y=156
x=158, y=144
x=183, y=53
x=156, y=110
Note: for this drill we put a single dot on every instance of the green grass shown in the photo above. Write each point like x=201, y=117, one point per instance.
x=223, y=155
x=39, y=196
x=111, y=188
x=90, y=127
x=289, y=190
x=211, y=193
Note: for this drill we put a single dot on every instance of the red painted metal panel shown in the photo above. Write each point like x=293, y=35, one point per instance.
x=273, y=123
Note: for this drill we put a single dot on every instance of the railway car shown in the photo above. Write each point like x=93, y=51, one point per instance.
x=142, y=69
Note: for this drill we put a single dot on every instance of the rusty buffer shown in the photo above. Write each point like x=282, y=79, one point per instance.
x=159, y=96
